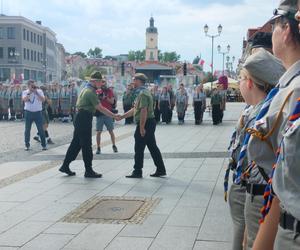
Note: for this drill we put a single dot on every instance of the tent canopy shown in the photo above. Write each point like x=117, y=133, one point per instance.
x=232, y=84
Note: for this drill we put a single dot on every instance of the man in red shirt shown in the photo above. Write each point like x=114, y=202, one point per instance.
x=107, y=100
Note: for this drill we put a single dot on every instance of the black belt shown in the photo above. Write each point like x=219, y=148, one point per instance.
x=288, y=221
x=255, y=189
x=243, y=183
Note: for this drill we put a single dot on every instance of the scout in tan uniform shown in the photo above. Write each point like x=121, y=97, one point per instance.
x=274, y=133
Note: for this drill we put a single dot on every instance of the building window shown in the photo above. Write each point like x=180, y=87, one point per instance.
x=4, y=74
x=41, y=40
x=27, y=54
x=11, y=52
x=38, y=39
x=151, y=56
x=24, y=54
x=35, y=56
x=26, y=74
x=34, y=38
x=27, y=35
x=31, y=37
x=1, y=52
x=31, y=55
x=24, y=34
x=11, y=33
x=2, y=33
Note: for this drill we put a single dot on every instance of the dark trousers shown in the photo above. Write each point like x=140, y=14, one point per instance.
x=165, y=111
x=156, y=112
x=149, y=141
x=198, y=112
x=82, y=140
x=126, y=108
x=216, y=114
x=36, y=117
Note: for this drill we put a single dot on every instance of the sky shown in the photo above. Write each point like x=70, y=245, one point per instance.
x=117, y=26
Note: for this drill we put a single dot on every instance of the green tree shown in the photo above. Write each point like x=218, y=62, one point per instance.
x=90, y=69
x=95, y=53
x=79, y=53
x=138, y=55
x=131, y=55
x=196, y=60
x=169, y=57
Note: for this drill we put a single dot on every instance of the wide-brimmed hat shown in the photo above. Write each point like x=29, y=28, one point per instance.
x=140, y=76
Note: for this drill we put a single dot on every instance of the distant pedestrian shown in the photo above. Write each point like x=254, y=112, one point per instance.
x=33, y=98
x=165, y=105
x=199, y=104
x=181, y=105
x=216, y=102
x=128, y=102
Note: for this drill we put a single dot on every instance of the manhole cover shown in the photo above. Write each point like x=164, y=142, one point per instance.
x=112, y=210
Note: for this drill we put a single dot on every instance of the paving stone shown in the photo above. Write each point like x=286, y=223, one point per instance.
x=48, y=242
x=186, y=216
x=149, y=228
x=129, y=243
x=208, y=245
x=66, y=228
x=22, y=233
x=95, y=236
x=175, y=238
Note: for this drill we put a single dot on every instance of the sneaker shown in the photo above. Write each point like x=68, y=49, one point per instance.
x=115, y=149
x=44, y=148
x=36, y=138
x=49, y=141
x=27, y=148
x=98, y=152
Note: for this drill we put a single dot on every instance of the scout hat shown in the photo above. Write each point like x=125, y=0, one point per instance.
x=286, y=8
x=96, y=76
x=141, y=76
x=262, y=39
x=264, y=67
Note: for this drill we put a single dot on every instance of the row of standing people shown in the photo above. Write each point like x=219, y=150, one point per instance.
x=63, y=101
x=165, y=100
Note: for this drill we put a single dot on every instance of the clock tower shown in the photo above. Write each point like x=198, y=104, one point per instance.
x=151, y=42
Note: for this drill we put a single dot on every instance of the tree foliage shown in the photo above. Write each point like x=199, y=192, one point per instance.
x=79, y=53
x=90, y=69
x=138, y=55
x=168, y=56
x=95, y=53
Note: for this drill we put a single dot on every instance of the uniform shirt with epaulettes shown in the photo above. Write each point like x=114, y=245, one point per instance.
x=286, y=181
x=143, y=100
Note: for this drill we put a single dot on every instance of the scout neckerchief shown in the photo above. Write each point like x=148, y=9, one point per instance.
x=268, y=195
x=262, y=112
x=229, y=167
x=138, y=90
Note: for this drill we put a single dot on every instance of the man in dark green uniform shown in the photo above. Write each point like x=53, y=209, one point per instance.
x=86, y=105
x=144, y=134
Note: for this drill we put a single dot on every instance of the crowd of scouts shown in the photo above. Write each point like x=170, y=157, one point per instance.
x=63, y=101
x=264, y=196
x=165, y=100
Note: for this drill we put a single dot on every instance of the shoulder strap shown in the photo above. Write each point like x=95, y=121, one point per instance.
x=263, y=173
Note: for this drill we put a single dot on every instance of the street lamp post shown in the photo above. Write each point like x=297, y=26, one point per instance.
x=223, y=53
x=212, y=47
x=14, y=55
x=229, y=65
x=44, y=64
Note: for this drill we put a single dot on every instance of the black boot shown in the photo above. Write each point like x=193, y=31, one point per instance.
x=66, y=170
x=92, y=174
x=135, y=174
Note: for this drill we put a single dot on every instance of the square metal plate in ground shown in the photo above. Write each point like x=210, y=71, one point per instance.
x=114, y=210
x=125, y=210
